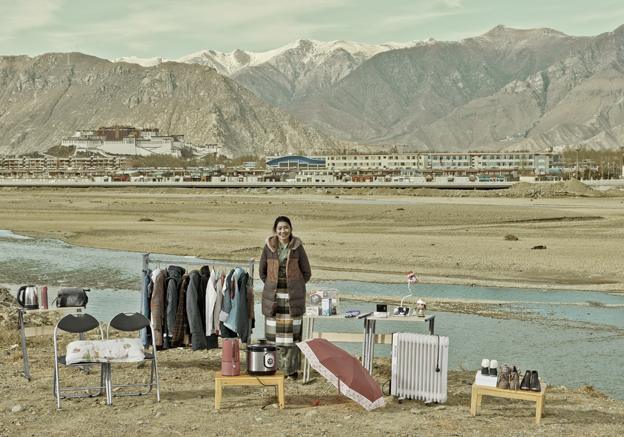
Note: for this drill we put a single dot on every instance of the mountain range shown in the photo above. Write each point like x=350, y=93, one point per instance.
x=45, y=98
x=507, y=89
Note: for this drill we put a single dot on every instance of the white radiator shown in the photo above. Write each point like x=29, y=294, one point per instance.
x=415, y=360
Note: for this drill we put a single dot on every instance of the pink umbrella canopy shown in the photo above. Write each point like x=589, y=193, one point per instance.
x=344, y=371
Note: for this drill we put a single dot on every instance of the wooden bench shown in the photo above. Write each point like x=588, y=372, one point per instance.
x=478, y=391
x=276, y=380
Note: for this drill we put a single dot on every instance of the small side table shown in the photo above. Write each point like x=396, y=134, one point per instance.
x=539, y=397
x=276, y=380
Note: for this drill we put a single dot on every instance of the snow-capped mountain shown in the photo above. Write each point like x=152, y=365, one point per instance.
x=314, y=53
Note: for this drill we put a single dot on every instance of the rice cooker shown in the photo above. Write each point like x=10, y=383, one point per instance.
x=261, y=359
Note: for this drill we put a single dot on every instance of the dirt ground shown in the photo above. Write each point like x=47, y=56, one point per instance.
x=452, y=237
x=187, y=405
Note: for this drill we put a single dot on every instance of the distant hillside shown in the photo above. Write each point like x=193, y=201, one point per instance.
x=505, y=89
x=47, y=97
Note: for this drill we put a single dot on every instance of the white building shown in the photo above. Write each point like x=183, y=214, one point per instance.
x=539, y=163
x=138, y=143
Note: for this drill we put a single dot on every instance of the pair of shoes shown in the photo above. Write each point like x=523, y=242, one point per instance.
x=531, y=381
x=293, y=376
x=504, y=377
x=489, y=367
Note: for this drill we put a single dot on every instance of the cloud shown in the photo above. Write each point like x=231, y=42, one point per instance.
x=422, y=12
x=19, y=16
x=140, y=26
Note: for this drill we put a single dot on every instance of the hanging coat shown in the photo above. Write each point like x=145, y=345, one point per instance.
x=198, y=336
x=174, y=278
x=157, y=305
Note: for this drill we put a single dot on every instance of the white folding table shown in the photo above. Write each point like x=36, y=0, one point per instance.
x=368, y=338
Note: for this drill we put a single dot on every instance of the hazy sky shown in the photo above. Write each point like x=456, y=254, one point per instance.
x=172, y=28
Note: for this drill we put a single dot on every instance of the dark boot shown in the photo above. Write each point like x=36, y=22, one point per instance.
x=514, y=379
x=526, y=381
x=535, y=384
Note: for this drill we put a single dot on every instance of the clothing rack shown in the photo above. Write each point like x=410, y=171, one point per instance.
x=186, y=262
x=148, y=259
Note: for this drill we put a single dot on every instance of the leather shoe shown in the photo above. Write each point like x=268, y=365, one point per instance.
x=503, y=377
x=526, y=381
x=535, y=383
x=514, y=379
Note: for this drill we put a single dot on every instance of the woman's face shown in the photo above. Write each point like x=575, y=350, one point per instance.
x=283, y=232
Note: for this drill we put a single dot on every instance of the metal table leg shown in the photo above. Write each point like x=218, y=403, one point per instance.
x=22, y=330
x=108, y=382
x=431, y=320
x=368, y=346
x=308, y=330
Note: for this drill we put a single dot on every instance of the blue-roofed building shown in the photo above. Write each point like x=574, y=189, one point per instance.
x=296, y=162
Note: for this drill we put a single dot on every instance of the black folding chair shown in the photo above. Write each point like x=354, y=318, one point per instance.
x=135, y=322
x=79, y=323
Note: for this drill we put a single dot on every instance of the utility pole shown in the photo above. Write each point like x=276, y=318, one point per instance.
x=578, y=149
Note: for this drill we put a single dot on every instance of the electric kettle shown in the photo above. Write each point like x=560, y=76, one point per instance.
x=28, y=297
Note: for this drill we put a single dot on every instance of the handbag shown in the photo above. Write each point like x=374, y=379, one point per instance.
x=72, y=297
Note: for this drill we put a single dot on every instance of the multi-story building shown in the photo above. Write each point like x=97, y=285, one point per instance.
x=537, y=163
x=48, y=166
x=127, y=140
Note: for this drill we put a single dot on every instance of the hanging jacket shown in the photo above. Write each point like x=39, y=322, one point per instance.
x=214, y=298
x=204, y=272
x=229, y=288
x=174, y=278
x=198, y=336
x=157, y=305
x=146, y=294
x=234, y=312
x=181, y=320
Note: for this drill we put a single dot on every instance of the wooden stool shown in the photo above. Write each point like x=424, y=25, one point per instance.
x=478, y=391
x=276, y=380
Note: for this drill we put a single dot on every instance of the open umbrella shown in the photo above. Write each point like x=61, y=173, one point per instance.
x=344, y=371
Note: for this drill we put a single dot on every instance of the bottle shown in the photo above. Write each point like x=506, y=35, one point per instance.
x=44, y=297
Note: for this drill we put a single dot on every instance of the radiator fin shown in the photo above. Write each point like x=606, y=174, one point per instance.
x=415, y=358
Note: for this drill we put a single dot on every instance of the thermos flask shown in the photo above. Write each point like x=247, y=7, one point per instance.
x=44, y=297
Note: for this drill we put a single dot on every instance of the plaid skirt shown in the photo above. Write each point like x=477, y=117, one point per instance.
x=283, y=330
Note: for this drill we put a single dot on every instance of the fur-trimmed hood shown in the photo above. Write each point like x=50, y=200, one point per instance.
x=272, y=242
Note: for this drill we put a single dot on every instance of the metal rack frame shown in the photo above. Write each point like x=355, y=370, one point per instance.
x=148, y=259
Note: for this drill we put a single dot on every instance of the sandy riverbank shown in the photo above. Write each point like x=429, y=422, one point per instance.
x=456, y=237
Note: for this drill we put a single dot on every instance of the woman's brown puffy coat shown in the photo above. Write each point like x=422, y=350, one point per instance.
x=297, y=274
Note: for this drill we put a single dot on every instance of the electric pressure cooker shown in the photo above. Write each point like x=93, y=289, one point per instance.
x=261, y=359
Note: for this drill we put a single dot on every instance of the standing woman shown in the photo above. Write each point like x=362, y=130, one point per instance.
x=284, y=269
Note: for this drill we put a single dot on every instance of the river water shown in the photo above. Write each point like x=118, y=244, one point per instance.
x=572, y=338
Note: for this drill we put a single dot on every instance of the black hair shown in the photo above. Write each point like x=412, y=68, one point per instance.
x=281, y=218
